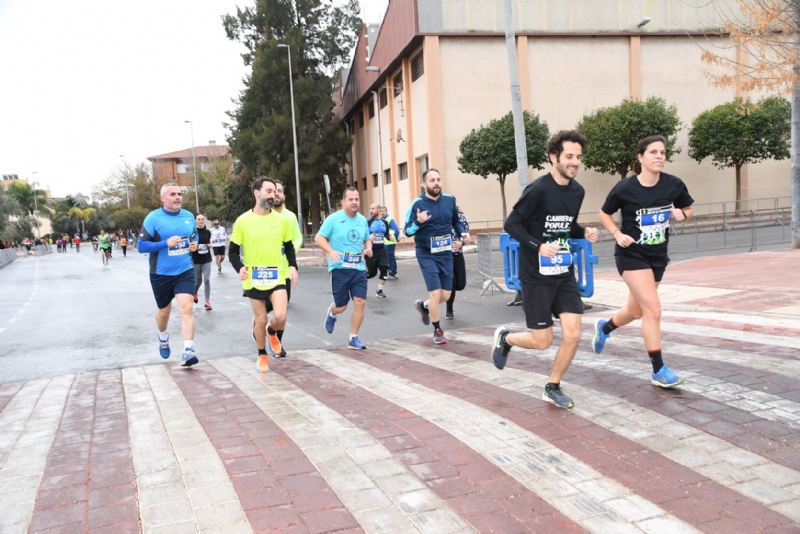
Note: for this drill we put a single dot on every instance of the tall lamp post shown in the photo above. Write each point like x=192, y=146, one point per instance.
x=127, y=193
x=194, y=170
x=35, y=204
x=294, y=140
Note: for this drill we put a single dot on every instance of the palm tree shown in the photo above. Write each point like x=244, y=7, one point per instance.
x=81, y=216
x=24, y=194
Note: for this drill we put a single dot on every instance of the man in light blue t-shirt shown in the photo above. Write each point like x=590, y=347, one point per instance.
x=343, y=236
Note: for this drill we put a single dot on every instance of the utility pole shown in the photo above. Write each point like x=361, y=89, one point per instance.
x=796, y=137
x=516, y=99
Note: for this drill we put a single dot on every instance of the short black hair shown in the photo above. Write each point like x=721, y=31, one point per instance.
x=555, y=145
x=260, y=182
x=346, y=189
x=641, y=146
x=425, y=174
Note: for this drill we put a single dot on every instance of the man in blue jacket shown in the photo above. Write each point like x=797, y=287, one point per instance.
x=429, y=220
x=169, y=234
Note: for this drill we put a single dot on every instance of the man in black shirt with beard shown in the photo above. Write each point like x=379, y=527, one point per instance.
x=543, y=220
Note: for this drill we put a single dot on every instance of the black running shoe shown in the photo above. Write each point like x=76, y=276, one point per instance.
x=555, y=396
x=500, y=348
x=423, y=312
x=449, y=315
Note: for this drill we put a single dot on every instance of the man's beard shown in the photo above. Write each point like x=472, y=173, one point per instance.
x=266, y=203
x=431, y=192
x=562, y=170
x=277, y=203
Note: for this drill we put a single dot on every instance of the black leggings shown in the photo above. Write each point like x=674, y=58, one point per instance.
x=459, y=278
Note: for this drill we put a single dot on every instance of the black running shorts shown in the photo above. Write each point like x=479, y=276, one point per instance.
x=632, y=261
x=165, y=287
x=541, y=301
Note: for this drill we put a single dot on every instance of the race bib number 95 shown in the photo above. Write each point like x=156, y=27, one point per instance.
x=558, y=264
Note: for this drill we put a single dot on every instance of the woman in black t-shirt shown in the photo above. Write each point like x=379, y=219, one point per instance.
x=647, y=201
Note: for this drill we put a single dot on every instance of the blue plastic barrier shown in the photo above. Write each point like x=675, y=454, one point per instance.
x=582, y=258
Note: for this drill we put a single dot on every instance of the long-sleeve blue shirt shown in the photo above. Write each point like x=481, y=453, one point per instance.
x=157, y=228
x=443, y=218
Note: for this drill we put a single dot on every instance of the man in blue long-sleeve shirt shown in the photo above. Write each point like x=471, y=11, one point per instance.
x=430, y=219
x=168, y=234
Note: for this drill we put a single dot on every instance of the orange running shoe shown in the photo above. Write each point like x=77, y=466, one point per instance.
x=273, y=341
x=262, y=365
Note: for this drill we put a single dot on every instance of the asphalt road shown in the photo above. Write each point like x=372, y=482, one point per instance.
x=65, y=313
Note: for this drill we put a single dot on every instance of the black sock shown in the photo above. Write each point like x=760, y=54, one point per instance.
x=270, y=331
x=435, y=325
x=609, y=326
x=553, y=385
x=505, y=343
x=655, y=359
x=280, y=334
x=262, y=352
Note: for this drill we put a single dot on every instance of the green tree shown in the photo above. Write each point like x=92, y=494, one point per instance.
x=9, y=207
x=213, y=176
x=135, y=182
x=490, y=150
x=129, y=219
x=81, y=217
x=321, y=37
x=612, y=133
x=24, y=194
x=740, y=132
x=237, y=198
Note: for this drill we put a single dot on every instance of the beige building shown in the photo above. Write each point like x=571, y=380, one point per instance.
x=436, y=69
x=177, y=166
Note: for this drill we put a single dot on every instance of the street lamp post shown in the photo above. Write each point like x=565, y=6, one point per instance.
x=35, y=205
x=194, y=170
x=127, y=193
x=294, y=140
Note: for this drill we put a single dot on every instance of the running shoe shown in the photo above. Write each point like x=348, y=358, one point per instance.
x=195, y=298
x=273, y=342
x=423, y=312
x=356, y=344
x=600, y=337
x=208, y=306
x=282, y=353
x=449, y=315
x=330, y=322
x=219, y=271
x=438, y=337
x=500, y=348
x=262, y=364
x=557, y=397
x=163, y=347
x=380, y=294
x=391, y=277
x=665, y=378
x=189, y=357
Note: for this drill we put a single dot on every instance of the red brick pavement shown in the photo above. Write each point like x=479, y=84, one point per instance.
x=88, y=483
x=7, y=392
x=480, y=492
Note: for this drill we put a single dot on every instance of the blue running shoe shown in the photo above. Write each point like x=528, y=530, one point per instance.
x=330, y=322
x=665, y=378
x=423, y=312
x=189, y=357
x=500, y=348
x=163, y=347
x=356, y=344
x=557, y=397
x=438, y=337
x=600, y=337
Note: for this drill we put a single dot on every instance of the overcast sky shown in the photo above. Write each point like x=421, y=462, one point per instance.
x=83, y=82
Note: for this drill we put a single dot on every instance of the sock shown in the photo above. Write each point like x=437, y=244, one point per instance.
x=435, y=325
x=280, y=334
x=163, y=336
x=270, y=331
x=609, y=326
x=187, y=343
x=330, y=313
x=506, y=345
x=655, y=359
x=425, y=304
x=553, y=385
x=262, y=352
x=353, y=336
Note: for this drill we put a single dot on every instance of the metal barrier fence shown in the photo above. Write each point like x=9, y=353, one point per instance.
x=7, y=255
x=489, y=267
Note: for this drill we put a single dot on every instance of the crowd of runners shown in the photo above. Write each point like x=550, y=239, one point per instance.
x=265, y=240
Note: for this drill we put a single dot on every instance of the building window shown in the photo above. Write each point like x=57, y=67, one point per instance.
x=422, y=163
x=417, y=68
x=375, y=180
x=384, y=99
x=387, y=176
x=398, y=84
x=183, y=168
x=352, y=127
x=403, y=171
x=371, y=109
x=361, y=119
x=364, y=184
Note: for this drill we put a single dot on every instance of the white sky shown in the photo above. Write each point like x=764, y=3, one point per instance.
x=85, y=81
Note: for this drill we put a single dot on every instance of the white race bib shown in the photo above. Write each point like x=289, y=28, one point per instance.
x=264, y=276
x=180, y=249
x=202, y=249
x=351, y=260
x=441, y=243
x=379, y=239
x=654, y=225
x=558, y=264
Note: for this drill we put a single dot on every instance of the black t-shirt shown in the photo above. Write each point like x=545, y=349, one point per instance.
x=203, y=253
x=645, y=213
x=546, y=213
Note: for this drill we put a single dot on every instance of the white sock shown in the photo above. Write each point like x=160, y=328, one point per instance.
x=163, y=336
x=187, y=343
x=330, y=313
x=425, y=304
x=353, y=336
